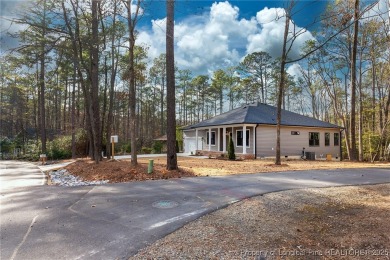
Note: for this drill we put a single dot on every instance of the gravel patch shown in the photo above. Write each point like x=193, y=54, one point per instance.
x=64, y=178
x=328, y=223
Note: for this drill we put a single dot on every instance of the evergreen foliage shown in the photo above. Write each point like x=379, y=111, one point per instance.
x=231, y=152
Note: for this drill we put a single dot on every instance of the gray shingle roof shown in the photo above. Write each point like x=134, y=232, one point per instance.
x=259, y=113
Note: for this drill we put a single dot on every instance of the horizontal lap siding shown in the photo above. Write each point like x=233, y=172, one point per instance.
x=265, y=141
x=291, y=145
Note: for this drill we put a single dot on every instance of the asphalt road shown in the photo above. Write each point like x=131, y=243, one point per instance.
x=114, y=221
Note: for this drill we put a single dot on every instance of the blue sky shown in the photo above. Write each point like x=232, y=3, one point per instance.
x=213, y=34
x=248, y=8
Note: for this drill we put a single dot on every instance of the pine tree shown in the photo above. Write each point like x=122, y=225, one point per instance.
x=231, y=153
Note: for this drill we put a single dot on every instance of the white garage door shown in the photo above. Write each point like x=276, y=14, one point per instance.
x=190, y=144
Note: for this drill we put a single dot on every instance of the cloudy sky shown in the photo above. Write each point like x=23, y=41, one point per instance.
x=211, y=34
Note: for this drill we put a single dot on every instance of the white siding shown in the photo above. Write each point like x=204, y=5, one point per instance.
x=291, y=145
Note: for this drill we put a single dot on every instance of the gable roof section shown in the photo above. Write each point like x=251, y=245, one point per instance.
x=262, y=114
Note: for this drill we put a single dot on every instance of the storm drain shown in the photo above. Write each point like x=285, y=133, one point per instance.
x=165, y=204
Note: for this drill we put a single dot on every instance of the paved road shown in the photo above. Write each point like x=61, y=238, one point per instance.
x=15, y=174
x=115, y=221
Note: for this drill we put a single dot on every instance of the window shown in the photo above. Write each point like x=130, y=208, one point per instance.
x=314, y=139
x=295, y=133
x=212, y=138
x=336, y=139
x=239, y=138
x=327, y=139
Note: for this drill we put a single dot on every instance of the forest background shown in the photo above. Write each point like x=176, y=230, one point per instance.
x=79, y=76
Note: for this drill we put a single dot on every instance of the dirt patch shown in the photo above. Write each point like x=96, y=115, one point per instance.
x=329, y=223
x=122, y=171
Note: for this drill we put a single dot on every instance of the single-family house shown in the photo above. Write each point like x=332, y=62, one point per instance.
x=253, y=130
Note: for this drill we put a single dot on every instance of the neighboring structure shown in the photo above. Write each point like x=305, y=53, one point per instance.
x=163, y=140
x=253, y=129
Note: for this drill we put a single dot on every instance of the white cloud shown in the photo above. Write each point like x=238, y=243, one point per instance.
x=270, y=38
x=220, y=38
x=204, y=43
x=380, y=11
x=295, y=70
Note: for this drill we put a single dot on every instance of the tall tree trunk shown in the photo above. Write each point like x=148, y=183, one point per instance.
x=132, y=97
x=105, y=103
x=360, y=134
x=42, y=83
x=221, y=100
x=171, y=103
x=353, y=82
x=94, y=90
x=373, y=101
x=162, y=105
x=65, y=100
x=73, y=112
x=114, y=66
x=281, y=89
x=42, y=102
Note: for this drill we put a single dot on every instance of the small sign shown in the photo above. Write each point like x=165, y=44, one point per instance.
x=42, y=155
x=114, y=139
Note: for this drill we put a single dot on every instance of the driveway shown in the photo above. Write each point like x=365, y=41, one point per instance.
x=15, y=174
x=114, y=221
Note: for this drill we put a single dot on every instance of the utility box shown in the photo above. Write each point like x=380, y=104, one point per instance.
x=43, y=158
x=311, y=156
x=329, y=157
x=114, y=139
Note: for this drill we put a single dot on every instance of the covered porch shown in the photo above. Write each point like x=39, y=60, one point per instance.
x=215, y=139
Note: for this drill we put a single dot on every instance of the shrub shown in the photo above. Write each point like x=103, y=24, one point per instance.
x=146, y=150
x=125, y=148
x=60, y=148
x=177, y=146
x=81, y=140
x=231, y=153
x=157, y=147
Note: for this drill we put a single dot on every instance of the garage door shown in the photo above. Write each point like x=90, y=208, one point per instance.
x=190, y=144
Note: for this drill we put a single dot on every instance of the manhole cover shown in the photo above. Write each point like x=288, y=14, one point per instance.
x=165, y=204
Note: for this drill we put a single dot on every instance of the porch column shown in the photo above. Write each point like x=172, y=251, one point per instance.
x=219, y=140
x=254, y=141
x=224, y=139
x=196, y=139
x=244, y=139
x=209, y=139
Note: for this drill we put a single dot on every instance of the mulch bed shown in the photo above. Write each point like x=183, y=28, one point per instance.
x=122, y=171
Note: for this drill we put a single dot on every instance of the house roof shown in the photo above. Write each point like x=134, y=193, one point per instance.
x=161, y=138
x=259, y=113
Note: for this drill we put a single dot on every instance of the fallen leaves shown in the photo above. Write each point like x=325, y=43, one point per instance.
x=122, y=171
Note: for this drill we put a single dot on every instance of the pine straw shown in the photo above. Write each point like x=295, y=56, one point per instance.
x=122, y=171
